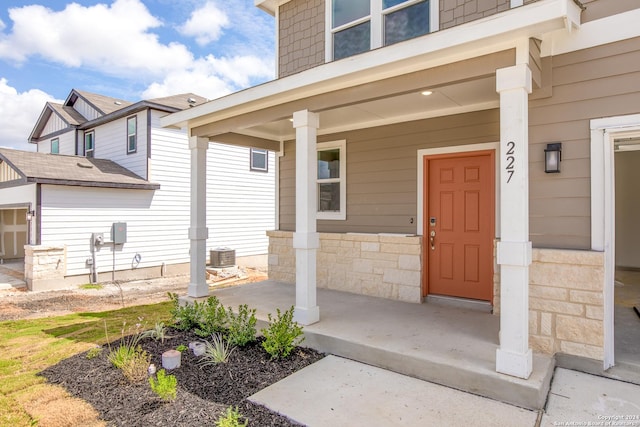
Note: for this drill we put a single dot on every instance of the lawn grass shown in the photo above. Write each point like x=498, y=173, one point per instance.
x=29, y=346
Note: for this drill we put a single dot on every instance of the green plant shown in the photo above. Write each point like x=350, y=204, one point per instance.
x=94, y=352
x=97, y=286
x=242, y=326
x=129, y=356
x=212, y=318
x=164, y=386
x=282, y=335
x=216, y=351
x=185, y=317
x=159, y=332
x=232, y=419
x=181, y=348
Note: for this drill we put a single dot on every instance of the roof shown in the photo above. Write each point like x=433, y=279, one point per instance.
x=180, y=102
x=68, y=114
x=72, y=170
x=104, y=104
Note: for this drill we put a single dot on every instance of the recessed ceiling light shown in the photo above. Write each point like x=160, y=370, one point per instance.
x=427, y=92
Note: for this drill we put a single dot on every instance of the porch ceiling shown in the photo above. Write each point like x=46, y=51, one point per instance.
x=477, y=94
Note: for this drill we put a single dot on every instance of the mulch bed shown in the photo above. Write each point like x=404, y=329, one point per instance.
x=204, y=393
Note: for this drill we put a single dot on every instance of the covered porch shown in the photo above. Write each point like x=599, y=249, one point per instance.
x=447, y=345
x=449, y=93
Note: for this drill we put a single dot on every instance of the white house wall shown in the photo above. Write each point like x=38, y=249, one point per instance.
x=111, y=143
x=67, y=144
x=87, y=111
x=54, y=124
x=70, y=214
x=240, y=202
x=21, y=195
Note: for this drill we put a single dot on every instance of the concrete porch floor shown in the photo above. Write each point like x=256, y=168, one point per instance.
x=441, y=344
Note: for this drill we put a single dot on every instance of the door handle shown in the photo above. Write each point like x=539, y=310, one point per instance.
x=432, y=240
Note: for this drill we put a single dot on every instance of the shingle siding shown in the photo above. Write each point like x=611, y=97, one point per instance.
x=456, y=12
x=301, y=36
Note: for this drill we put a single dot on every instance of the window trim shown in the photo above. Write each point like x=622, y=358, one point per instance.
x=342, y=214
x=376, y=18
x=93, y=143
x=56, y=141
x=254, y=168
x=135, y=135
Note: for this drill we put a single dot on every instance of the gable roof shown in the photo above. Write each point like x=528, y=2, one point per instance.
x=109, y=108
x=70, y=170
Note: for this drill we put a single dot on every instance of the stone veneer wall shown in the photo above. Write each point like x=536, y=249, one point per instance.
x=44, y=266
x=566, y=302
x=381, y=265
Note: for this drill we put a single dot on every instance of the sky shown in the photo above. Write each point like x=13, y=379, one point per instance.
x=128, y=49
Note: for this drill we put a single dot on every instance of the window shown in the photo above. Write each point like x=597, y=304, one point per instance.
x=332, y=180
x=55, y=146
x=89, y=143
x=357, y=26
x=132, y=131
x=259, y=160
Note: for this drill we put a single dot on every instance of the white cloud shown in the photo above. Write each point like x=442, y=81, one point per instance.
x=19, y=113
x=213, y=77
x=113, y=39
x=205, y=24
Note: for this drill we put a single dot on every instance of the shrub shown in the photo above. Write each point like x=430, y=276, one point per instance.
x=216, y=351
x=158, y=333
x=94, y=352
x=212, y=318
x=129, y=356
x=181, y=348
x=242, y=326
x=185, y=317
x=232, y=419
x=164, y=386
x=282, y=335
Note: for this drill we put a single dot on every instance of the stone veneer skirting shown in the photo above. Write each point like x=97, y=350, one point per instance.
x=381, y=265
x=566, y=304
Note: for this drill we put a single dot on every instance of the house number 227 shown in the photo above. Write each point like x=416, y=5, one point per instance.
x=510, y=160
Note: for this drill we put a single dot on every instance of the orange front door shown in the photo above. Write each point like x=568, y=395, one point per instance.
x=459, y=225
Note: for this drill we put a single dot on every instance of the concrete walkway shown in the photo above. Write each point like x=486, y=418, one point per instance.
x=12, y=275
x=337, y=391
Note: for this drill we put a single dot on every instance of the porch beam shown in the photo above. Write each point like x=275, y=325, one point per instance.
x=198, y=232
x=306, y=240
x=247, y=141
x=514, y=357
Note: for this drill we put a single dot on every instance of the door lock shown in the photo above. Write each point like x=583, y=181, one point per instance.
x=432, y=239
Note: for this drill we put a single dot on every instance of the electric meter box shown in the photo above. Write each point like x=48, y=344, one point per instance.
x=119, y=233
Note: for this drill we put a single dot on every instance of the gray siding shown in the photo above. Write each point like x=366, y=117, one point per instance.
x=301, y=36
x=456, y=12
x=382, y=170
x=588, y=84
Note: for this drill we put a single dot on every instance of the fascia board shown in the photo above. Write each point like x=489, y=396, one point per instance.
x=484, y=36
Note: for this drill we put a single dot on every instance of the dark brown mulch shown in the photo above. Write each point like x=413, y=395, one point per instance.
x=204, y=392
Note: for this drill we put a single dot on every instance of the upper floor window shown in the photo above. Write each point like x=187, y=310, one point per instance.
x=55, y=146
x=89, y=143
x=357, y=26
x=132, y=134
x=332, y=180
x=259, y=160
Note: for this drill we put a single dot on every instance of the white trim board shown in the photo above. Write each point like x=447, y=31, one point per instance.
x=603, y=133
x=452, y=150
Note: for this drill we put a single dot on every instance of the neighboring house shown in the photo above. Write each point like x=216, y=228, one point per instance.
x=103, y=161
x=412, y=138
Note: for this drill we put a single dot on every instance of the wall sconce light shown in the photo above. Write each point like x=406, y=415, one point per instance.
x=30, y=215
x=553, y=157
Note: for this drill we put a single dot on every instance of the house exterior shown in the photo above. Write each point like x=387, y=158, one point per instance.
x=412, y=141
x=105, y=164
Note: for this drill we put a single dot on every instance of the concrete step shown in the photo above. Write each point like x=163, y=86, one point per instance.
x=455, y=372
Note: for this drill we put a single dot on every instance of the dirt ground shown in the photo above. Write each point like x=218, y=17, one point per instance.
x=22, y=304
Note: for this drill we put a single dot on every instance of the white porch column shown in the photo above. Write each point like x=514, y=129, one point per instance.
x=514, y=356
x=198, y=232
x=305, y=239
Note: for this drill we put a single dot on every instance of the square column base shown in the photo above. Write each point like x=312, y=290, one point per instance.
x=515, y=364
x=198, y=290
x=306, y=316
